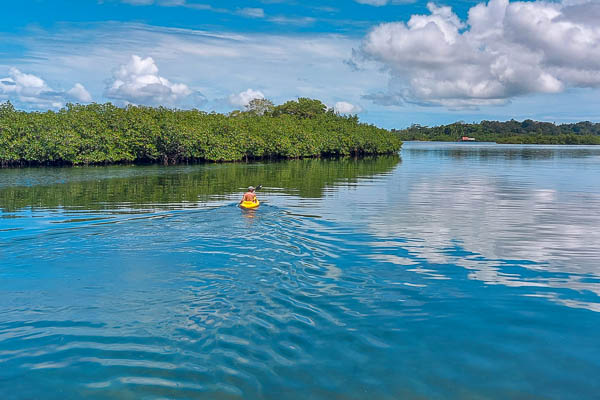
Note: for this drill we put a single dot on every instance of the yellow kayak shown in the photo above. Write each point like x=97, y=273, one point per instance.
x=250, y=204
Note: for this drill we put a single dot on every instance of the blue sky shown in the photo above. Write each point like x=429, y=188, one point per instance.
x=393, y=62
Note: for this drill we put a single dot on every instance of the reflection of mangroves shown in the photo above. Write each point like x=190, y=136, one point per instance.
x=159, y=186
x=517, y=153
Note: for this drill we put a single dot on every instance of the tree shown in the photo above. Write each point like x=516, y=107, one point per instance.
x=6, y=108
x=302, y=108
x=260, y=106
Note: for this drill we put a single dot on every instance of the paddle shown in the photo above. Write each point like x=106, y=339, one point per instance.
x=257, y=189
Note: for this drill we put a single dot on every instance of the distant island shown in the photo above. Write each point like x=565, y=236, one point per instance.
x=525, y=132
x=107, y=134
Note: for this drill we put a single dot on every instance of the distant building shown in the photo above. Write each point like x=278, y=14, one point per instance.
x=467, y=139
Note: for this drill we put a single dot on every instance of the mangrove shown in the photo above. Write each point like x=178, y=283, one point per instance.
x=106, y=134
x=525, y=132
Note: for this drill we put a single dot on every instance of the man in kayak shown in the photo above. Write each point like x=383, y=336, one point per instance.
x=249, y=195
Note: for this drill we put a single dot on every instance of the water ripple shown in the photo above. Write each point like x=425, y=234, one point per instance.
x=434, y=285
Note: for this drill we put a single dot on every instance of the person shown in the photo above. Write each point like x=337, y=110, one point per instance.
x=249, y=195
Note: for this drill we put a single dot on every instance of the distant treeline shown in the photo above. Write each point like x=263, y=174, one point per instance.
x=526, y=132
x=105, y=134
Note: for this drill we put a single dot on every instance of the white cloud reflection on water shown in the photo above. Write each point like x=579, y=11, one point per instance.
x=522, y=223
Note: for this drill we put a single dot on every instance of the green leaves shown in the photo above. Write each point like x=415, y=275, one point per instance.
x=104, y=133
x=526, y=132
x=301, y=108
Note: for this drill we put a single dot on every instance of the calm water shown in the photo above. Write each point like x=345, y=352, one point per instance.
x=454, y=272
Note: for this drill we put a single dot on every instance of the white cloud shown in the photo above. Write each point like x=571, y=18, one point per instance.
x=32, y=91
x=138, y=2
x=252, y=12
x=376, y=3
x=149, y=2
x=214, y=63
x=379, y=3
x=343, y=107
x=249, y=12
x=299, y=21
x=503, y=50
x=242, y=99
x=26, y=87
x=79, y=93
x=138, y=82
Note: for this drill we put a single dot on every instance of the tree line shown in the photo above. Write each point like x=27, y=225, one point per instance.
x=525, y=132
x=106, y=134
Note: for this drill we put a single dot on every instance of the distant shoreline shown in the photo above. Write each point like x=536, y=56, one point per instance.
x=509, y=132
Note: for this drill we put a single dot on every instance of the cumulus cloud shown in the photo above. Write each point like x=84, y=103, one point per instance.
x=79, y=93
x=503, y=50
x=343, y=107
x=138, y=82
x=242, y=99
x=31, y=90
x=289, y=66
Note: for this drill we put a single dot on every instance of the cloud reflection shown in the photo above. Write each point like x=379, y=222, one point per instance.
x=517, y=225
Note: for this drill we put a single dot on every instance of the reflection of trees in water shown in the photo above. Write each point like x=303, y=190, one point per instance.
x=473, y=152
x=110, y=187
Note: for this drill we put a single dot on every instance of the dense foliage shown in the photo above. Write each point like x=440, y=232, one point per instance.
x=104, y=133
x=528, y=132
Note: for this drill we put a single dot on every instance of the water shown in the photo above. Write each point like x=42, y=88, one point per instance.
x=458, y=271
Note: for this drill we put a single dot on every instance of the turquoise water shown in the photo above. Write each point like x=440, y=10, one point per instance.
x=458, y=271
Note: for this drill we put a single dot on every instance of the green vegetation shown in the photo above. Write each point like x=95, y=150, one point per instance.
x=526, y=132
x=105, y=134
x=139, y=187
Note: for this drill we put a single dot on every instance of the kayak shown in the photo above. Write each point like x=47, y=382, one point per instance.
x=248, y=205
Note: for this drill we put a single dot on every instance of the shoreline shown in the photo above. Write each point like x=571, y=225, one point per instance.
x=359, y=156
x=499, y=143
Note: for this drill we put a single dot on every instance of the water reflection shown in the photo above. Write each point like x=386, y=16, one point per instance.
x=354, y=279
x=482, y=150
x=154, y=187
x=511, y=223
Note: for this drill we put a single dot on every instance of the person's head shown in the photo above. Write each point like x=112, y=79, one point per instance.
x=251, y=189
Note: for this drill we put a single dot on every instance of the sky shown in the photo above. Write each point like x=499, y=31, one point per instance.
x=392, y=62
